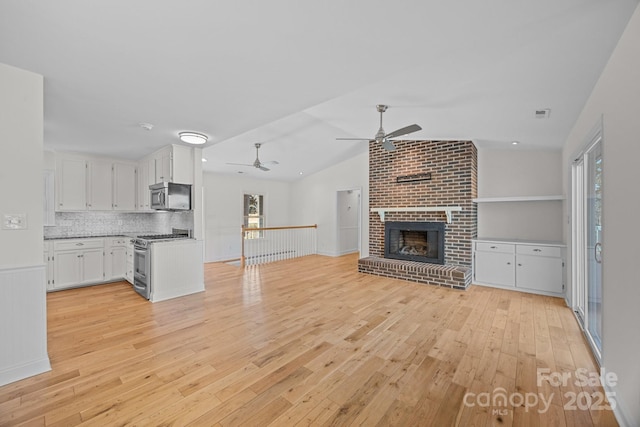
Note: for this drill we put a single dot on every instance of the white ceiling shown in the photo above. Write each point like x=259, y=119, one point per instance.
x=294, y=75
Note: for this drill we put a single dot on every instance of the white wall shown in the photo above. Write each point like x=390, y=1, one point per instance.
x=517, y=172
x=223, y=201
x=314, y=200
x=616, y=99
x=22, y=280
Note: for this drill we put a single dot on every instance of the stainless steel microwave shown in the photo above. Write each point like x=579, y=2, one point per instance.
x=169, y=196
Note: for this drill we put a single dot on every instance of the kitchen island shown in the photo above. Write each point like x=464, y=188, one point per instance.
x=177, y=269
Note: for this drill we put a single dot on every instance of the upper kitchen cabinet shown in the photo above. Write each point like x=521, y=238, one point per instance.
x=146, y=177
x=173, y=163
x=124, y=189
x=94, y=183
x=71, y=184
x=99, y=185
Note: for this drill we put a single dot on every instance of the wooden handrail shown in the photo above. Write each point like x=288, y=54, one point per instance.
x=245, y=229
x=278, y=228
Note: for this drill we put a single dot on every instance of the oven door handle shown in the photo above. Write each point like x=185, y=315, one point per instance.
x=142, y=288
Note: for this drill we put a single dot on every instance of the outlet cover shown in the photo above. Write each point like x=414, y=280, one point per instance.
x=14, y=221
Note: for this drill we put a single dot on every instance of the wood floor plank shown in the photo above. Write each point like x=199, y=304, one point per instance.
x=308, y=341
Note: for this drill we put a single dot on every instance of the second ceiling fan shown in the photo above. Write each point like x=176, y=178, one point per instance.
x=384, y=138
x=257, y=163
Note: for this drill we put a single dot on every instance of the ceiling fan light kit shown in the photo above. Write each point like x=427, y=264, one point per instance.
x=194, y=138
x=383, y=138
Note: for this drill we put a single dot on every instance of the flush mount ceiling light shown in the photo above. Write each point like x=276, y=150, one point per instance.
x=193, y=138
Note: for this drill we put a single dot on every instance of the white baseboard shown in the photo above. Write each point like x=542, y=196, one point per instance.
x=19, y=372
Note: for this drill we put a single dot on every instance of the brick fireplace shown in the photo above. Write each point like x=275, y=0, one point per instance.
x=429, y=175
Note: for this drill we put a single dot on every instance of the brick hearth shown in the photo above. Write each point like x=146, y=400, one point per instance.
x=453, y=168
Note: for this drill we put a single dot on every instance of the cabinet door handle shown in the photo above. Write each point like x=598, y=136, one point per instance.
x=537, y=250
x=79, y=244
x=508, y=263
x=493, y=247
x=519, y=265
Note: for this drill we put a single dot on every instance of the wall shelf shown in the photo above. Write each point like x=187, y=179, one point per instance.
x=446, y=209
x=517, y=199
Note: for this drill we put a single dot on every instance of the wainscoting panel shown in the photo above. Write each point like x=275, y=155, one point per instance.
x=23, y=323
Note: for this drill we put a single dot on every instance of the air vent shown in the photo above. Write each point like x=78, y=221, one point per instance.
x=543, y=114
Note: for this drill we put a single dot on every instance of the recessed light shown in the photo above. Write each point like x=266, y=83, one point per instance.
x=204, y=160
x=300, y=173
x=146, y=126
x=515, y=142
x=193, y=138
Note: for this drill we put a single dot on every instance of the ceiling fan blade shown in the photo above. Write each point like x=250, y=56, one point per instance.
x=271, y=162
x=262, y=168
x=239, y=164
x=388, y=145
x=354, y=139
x=403, y=131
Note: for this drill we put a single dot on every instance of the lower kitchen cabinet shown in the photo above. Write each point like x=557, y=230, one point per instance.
x=128, y=274
x=80, y=267
x=535, y=267
x=115, y=257
x=86, y=261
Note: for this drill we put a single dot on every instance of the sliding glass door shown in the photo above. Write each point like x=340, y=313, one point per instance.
x=587, y=254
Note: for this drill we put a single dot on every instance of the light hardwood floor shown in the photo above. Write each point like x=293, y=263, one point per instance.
x=303, y=342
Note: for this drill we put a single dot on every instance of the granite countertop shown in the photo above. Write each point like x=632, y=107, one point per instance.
x=95, y=236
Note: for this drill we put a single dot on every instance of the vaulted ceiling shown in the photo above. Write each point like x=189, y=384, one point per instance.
x=295, y=75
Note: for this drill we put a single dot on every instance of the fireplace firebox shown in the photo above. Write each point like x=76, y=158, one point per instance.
x=414, y=241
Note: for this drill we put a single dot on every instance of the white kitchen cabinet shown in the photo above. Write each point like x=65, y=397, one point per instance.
x=94, y=183
x=536, y=267
x=99, y=185
x=77, y=262
x=115, y=258
x=71, y=184
x=128, y=274
x=48, y=262
x=124, y=187
x=146, y=177
x=162, y=161
x=173, y=163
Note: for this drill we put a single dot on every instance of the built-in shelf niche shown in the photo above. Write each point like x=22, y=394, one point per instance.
x=517, y=199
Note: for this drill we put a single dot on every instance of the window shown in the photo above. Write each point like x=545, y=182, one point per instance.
x=254, y=215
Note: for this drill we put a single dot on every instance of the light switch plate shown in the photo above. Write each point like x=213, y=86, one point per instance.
x=14, y=221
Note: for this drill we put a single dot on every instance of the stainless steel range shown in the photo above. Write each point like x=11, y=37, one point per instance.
x=142, y=280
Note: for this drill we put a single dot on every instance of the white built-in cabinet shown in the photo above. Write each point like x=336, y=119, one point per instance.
x=102, y=184
x=93, y=183
x=71, y=183
x=128, y=274
x=99, y=188
x=536, y=267
x=173, y=163
x=77, y=262
x=146, y=177
x=87, y=261
x=124, y=188
x=162, y=162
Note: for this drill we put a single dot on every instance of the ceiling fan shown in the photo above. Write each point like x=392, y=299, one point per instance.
x=257, y=163
x=385, y=138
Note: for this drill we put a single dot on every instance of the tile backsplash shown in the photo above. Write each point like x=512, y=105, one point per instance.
x=99, y=223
